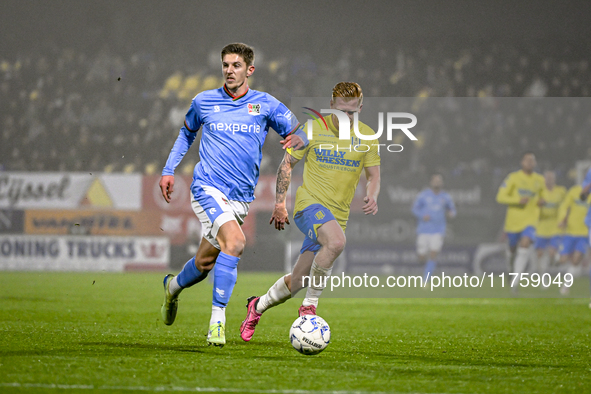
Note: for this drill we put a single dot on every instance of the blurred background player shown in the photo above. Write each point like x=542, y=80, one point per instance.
x=431, y=208
x=322, y=204
x=575, y=241
x=234, y=121
x=586, y=190
x=548, y=233
x=520, y=191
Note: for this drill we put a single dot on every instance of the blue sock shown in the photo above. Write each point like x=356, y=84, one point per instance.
x=190, y=275
x=429, y=269
x=224, y=279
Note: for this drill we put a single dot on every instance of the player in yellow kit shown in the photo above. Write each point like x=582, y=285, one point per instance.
x=520, y=191
x=548, y=235
x=571, y=215
x=332, y=169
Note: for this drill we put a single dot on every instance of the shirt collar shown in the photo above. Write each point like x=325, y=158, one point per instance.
x=234, y=98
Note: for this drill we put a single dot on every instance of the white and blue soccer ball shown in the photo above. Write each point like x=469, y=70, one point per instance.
x=309, y=334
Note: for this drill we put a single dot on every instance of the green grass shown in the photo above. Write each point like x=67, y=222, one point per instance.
x=103, y=331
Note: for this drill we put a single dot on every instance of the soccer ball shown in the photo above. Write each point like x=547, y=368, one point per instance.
x=309, y=334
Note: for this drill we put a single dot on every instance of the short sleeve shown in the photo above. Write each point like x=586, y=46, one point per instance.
x=372, y=157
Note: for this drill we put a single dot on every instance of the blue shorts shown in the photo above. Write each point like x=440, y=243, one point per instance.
x=548, y=242
x=308, y=220
x=571, y=244
x=529, y=232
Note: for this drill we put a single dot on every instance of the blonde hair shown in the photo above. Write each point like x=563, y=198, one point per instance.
x=347, y=90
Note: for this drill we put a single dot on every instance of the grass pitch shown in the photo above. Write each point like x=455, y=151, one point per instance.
x=82, y=332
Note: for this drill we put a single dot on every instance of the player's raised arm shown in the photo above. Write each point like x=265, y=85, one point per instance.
x=280, y=215
x=506, y=194
x=372, y=190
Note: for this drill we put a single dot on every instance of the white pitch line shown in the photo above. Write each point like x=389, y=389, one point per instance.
x=177, y=388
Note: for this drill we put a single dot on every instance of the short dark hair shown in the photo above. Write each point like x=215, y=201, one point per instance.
x=528, y=152
x=238, y=48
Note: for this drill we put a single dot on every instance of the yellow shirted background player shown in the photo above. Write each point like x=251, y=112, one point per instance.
x=548, y=234
x=520, y=191
x=571, y=218
x=332, y=169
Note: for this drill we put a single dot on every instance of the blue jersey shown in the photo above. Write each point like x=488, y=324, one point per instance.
x=436, y=205
x=232, y=137
x=586, y=183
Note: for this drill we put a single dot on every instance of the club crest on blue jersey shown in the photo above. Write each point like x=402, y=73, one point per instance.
x=254, y=109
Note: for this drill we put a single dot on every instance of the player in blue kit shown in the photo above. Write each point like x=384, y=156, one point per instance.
x=234, y=121
x=431, y=207
x=586, y=185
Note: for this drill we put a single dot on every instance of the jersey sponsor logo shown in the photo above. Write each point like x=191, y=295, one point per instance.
x=335, y=157
x=216, y=108
x=235, y=127
x=526, y=193
x=254, y=109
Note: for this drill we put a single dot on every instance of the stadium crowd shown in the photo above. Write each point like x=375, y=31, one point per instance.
x=98, y=110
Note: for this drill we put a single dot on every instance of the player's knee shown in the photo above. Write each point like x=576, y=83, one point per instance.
x=234, y=246
x=204, y=264
x=336, y=245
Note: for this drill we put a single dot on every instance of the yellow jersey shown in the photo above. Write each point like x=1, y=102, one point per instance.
x=548, y=224
x=332, y=168
x=517, y=185
x=576, y=209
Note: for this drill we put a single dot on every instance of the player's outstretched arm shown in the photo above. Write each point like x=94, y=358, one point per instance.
x=280, y=215
x=372, y=190
x=294, y=142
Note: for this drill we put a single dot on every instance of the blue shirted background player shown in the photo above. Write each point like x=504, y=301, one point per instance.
x=584, y=194
x=234, y=121
x=431, y=208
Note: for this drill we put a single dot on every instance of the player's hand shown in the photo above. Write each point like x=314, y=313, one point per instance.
x=426, y=218
x=370, y=206
x=279, y=216
x=166, y=186
x=292, y=141
x=451, y=214
x=524, y=200
x=541, y=202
